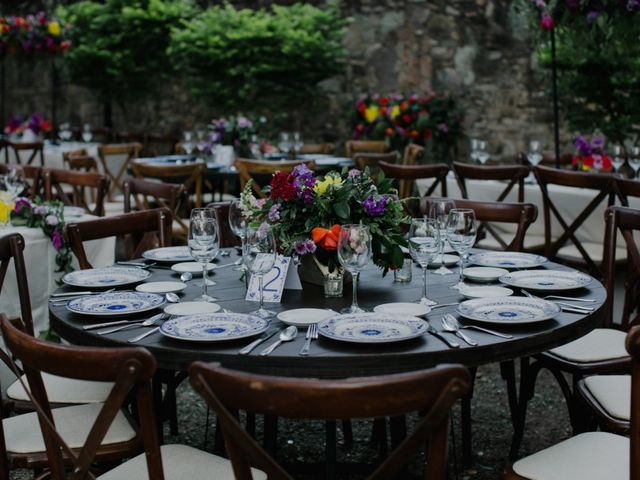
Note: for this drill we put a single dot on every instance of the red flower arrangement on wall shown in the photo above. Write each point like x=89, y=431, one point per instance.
x=32, y=34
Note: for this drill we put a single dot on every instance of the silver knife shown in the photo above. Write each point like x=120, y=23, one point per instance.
x=265, y=336
x=121, y=322
x=437, y=334
x=144, y=335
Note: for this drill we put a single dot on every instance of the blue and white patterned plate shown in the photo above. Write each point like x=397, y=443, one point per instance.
x=214, y=327
x=507, y=259
x=508, y=310
x=547, y=280
x=106, y=277
x=168, y=254
x=116, y=303
x=372, y=327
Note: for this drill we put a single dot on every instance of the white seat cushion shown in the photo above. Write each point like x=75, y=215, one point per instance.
x=599, y=344
x=64, y=390
x=23, y=435
x=613, y=393
x=595, y=251
x=179, y=462
x=588, y=456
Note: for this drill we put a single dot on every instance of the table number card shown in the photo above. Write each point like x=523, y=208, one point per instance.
x=272, y=283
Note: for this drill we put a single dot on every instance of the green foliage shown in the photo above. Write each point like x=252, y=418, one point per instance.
x=120, y=45
x=259, y=60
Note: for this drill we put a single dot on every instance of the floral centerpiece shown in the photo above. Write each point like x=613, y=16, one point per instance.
x=19, y=125
x=306, y=212
x=49, y=217
x=590, y=154
x=239, y=131
x=32, y=34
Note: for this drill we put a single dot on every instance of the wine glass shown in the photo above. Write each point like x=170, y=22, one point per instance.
x=187, y=142
x=473, y=153
x=424, y=244
x=439, y=211
x=87, y=133
x=482, y=154
x=285, y=143
x=354, y=253
x=634, y=160
x=533, y=155
x=204, y=242
x=65, y=132
x=297, y=142
x=259, y=255
x=461, y=233
x=618, y=158
x=238, y=222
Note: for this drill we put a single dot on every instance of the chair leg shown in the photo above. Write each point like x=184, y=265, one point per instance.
x=347, y=434
x=528, y=374
x=379, y=436
x=330, y=449
x=465, y=420
x=508, y=373
x=270, y=434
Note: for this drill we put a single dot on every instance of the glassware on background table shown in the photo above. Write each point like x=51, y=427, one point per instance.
x=482, y=153
x=187, y=142
x=617, y=160
x=284, y=145
x=634, y=161
x=534, y=155
x=297, y=143
x=238, y=222
x=424, y=244
x=404, y=274
x=14, y=184
x=64, y=131
x=203, y=242
x=473, y=152
x=461, y=233
x=87, y=133
x=333, y=284
x=354, y=253
x=439, y=211
x=259, y=255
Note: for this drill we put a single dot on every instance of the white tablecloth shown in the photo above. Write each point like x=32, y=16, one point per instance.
x=53, y=153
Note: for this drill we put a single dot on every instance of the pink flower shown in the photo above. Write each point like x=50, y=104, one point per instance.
x=546, y=22
x=51, y=220
x=57, y=240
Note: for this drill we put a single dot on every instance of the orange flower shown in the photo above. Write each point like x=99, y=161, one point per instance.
x=388, y=132
x=327, y=239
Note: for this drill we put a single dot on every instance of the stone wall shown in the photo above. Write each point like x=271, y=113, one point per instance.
x=477, y=50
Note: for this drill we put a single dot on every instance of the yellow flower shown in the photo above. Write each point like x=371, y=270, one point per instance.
x=322, y=186
x=54, y=28
x=371, y=113
x=395, y=111
x=6, y=207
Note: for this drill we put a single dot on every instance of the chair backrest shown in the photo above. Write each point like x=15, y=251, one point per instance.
x=32, y=174
x=512, y=174
x=125, y=152
x=131, y=369
x=323, y=148
x=36, y=149
x=601, y=184
x=412, y=154
x=159, y=144
x=365, y=146
x=143, y=226
x=55, y=179
x=408, y=174
x=520, y=214
x=80, y=160
x=549, y=160
x=633, y=347
x=129, y=137
x=99, y=134
x=372, y=161
x=626, y=188
x=11, y=248
x=168, y=195
x=225, y=234
x=624, y=222
x=262, y=170
x=431, y=392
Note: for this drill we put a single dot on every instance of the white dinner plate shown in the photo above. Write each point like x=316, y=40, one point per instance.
x=70, y=211
x=372, y=327
x=115, y=303
x=215, y=327
x=448, y=260
x=106, y=277
x=161, y=287
x=471, y=291
x=168, y=254
x=191, y=308
x=508, y=310
x=303, y=317
x=484, y=274
x=547, y=280
x=191, y=267
x=507, y=259
x=403, y=308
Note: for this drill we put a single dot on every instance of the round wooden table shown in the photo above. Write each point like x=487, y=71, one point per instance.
x=334, y=359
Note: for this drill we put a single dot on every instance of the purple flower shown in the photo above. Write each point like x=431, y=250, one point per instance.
x=57, y=240
x=373, y=207
x=354, y=172
x=443, y=127
x=597, y=143
x=21, y=205
x=244, y=122
x=572, y=4
x=274, y=214
x=302, y=247
x=592, y=16
x=541, y=4
x=583, y=147
x=303, y=182
x=633, y=5
x=263, y=229
x=40, y=210
x=51, y=220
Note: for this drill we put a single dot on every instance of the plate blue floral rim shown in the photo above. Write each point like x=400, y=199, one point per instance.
x=547, y=280
x=214, y=327
x=508, y=310
x=372, y=327
x=507, y=259
x=105, y=277
x=168, y=254
x=115, y=303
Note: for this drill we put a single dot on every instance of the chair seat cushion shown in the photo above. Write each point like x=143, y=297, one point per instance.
x=613, y=393
x=64, y=390
x=588, y=456
x=599, y=344
x=23, y=435
x=179, y=462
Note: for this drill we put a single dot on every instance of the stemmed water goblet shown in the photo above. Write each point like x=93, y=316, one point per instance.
x=473, y=153
x=238, y=222
x=439, y=211
x=65, y=132
x=424, y=244
x=461, y=233
x=285, y=143
x=87, y=133
x=297, y=143
x=354, y=253
x=533, y=155
x=259, y=255
x=618, y=158
x=203, y=242
x=187, y=142
x=634, y=160
x=482, y=154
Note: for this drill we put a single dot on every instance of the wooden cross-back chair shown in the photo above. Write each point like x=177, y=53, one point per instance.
x=431, y=392
x=408, y=174
x=56, y=179
x=512, y=174
x=372, y=161
x=80, y=160
x=365, y=146
x=149, y=229
x=225, y=234
x=32, y=174
x=412, y=154
x=36, y=149
x=156, y=144
x=106, y=152
x=262, y=170
x=593, y=455
x=74, y=438
x=322, y=148
x=577, y=255
x=626, y=188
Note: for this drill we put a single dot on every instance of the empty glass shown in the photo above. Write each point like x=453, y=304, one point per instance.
x=534, y=156
x=204, y=242
x=481, y=154
x=473, y=152
x=439, y=211
x=461, y=233
x=297, y=142
x=634, y=160
x=354, y=253
x=424, y=244
x=618, y=158
x=259, y=254
x=238, y=221
x=87, y=133
x=285, y=142
x=64, y=131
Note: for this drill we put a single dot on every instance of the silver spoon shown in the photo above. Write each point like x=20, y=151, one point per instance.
x=147, y=323
x=286, y=335
x=455, y=323
x=186, y=276
x=172, y=298
x=447, y=326
x=232, y=264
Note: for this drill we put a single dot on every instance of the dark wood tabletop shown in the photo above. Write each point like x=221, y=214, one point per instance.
x=335, y=359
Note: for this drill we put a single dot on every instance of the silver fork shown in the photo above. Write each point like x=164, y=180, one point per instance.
x=312, y=334
x=457, y=324
x=565, y=304
x=448, y=326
